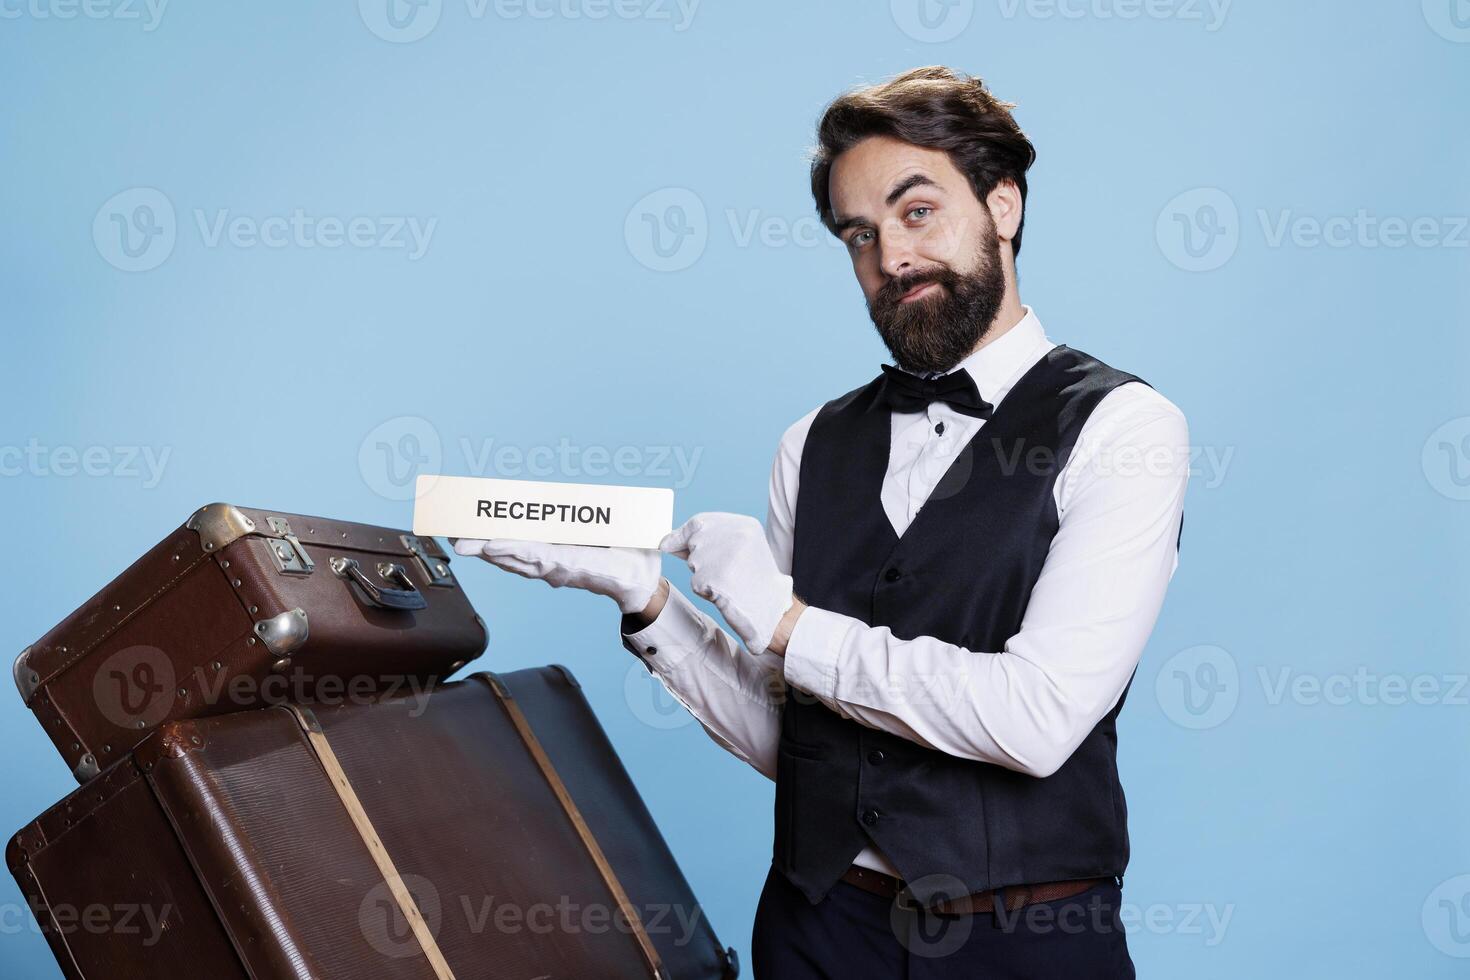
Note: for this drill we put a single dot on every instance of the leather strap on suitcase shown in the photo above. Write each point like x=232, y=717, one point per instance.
x=533, y=745
x=343, y=787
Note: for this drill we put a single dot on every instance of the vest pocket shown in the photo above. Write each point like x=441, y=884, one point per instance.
x=800, y=750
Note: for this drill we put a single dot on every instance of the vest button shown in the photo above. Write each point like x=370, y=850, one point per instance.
x=876, y=756
x=870, y=817
x=892, y=575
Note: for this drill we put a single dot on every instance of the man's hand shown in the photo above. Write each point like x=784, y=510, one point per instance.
x=733, y=568
x=629, y=576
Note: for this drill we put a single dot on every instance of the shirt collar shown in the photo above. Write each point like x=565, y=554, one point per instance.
x=997, y=365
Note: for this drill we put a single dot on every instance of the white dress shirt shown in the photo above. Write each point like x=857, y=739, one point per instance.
x=1028, y=706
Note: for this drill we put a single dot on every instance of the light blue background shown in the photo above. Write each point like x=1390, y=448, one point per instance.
x=1330, y=834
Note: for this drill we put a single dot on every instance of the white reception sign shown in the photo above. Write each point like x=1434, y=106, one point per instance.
x=562, y=513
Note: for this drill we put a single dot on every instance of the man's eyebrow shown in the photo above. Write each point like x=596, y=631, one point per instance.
x=907, y=184
x=899, y=190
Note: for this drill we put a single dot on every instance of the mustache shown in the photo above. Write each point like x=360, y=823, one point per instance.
x=894, y=289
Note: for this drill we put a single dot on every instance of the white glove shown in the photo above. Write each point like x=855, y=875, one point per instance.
x=629, y=576
x=733, y=568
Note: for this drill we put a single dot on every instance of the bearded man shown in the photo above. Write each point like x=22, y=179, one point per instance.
x=961, y=563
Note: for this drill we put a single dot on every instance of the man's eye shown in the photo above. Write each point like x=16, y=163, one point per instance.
x=920, y=212
x=860, y=239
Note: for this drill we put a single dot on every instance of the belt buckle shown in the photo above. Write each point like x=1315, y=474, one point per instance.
x=903, y=899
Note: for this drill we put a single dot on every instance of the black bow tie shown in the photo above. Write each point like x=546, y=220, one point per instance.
x=904, y=392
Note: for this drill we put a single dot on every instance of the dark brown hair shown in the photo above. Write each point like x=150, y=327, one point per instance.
x=933, y=107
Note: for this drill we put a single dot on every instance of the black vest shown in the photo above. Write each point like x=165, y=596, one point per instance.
x=962, y=572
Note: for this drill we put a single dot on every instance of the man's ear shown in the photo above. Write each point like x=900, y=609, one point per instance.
x=1004, y=201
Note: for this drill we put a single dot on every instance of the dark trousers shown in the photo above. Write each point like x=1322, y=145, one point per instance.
x=852, y=934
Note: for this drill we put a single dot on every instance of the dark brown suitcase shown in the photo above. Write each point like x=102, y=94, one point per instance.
x=240, y=608
x=402, y=838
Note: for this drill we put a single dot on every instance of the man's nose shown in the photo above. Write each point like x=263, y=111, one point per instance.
x=896, y=255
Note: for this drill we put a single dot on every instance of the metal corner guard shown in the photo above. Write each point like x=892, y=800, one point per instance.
x=219, y=524
x=26, y=680
x=284, y=633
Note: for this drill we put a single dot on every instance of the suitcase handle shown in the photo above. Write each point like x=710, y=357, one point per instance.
x=408, y=597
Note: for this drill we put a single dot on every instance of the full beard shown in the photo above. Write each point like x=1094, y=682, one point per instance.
x=938, y=330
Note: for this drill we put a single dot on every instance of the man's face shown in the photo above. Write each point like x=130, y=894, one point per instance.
x=924, y=249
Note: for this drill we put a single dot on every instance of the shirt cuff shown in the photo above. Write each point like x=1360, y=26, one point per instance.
x=677, y=631
x=811, y=653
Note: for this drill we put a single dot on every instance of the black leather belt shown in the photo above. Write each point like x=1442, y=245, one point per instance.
x=1014, y=896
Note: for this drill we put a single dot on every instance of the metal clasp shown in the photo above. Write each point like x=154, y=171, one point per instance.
x=436, y=570
x=290, y=556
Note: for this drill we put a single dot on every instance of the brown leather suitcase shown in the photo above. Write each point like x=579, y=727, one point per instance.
x=406, y=838
x=240, y=608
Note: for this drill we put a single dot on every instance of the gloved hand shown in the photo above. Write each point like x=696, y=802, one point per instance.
x=629, y=576
x=734, y=569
